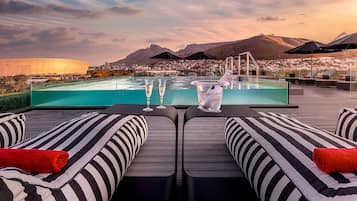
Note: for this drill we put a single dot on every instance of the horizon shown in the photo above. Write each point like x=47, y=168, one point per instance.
x=106, y=31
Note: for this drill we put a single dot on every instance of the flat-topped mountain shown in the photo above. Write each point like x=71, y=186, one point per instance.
x=143, y=56
x=262, y=47
x=193, y=48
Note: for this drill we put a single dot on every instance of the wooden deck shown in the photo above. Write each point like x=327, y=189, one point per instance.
x=205, y=152
x=319, y=107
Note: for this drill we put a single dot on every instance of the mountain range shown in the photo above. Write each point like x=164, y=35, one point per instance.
x=143, y=56
x=261, y=47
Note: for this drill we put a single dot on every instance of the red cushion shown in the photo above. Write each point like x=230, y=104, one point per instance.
x=335, y=160
x=34, y=161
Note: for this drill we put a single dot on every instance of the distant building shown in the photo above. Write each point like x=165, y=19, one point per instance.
x=109, y=66
x=42, y=66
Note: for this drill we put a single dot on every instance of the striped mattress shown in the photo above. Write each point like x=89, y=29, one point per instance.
x=12, y=129
x=274, y=153
x=101, y=148
x=347, y=124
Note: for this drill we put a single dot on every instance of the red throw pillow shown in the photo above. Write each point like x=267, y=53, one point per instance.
x=335, y=160
x=34, y=160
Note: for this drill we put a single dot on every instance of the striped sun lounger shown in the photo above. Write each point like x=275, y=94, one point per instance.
x=275, y=154
x=101, y=147
x=12, y=129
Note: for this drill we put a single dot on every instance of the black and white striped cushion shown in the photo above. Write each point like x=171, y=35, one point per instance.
x=12, y=129
x=347, y=124
x=274, y=152
x=101, y=147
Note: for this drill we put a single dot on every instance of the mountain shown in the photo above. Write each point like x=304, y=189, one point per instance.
x=341, y=35
x=261, y=47
x=143, y=56
x=193, y=48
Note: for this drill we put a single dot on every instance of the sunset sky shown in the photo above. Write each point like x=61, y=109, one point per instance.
x=107, y=30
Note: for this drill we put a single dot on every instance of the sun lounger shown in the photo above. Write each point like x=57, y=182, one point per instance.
x=349, y=76
x=324, y=79
x=275, y=155
x=12, y=129
x=325, y=83
x=101, y=148
x=346, y=85
x=326, y=74
x=308, y=79
x=348, y=81
x=292, y=80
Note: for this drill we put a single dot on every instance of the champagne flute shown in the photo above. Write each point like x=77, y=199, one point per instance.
x=162, y=88
x=148, y=92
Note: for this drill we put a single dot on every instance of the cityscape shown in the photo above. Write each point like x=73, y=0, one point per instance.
x=217, y=66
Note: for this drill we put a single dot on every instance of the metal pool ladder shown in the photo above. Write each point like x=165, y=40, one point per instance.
x=249, y=57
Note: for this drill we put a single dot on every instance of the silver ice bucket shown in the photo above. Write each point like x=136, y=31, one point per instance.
x=209, y=94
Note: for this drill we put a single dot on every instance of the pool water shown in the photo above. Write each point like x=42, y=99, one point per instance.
x=179, y=91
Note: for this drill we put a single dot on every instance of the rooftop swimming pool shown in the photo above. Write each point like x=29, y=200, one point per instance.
x=131, y=90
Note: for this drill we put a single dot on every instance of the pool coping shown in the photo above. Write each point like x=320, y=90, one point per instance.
x=30, y=108
x=176, y=106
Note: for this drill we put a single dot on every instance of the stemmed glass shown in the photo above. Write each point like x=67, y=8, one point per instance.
x=148, y=92
x=162, y=88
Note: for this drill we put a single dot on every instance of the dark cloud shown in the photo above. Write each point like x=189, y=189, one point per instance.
x=159, y=40
x=59, y=35
x=19, y=7
x=95, y=34
x=103, y=35
x=58, y=42
x=115, y=40
x=125, y=10
x=80, y=13
x=270, y=18
x=24, y=8
x=10, y=32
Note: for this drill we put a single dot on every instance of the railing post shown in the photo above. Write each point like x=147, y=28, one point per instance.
x=256, y=66
x=226, y=65
x=31, y=93
x=247, y=65
x=238, y=65
x=231, y=62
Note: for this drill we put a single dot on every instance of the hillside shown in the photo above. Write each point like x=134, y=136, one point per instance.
x=193, y=48
x=262, y=47
x=143, y=56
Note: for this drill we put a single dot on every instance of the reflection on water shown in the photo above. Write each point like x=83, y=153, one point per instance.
x=137, y=83
x=130, y=90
